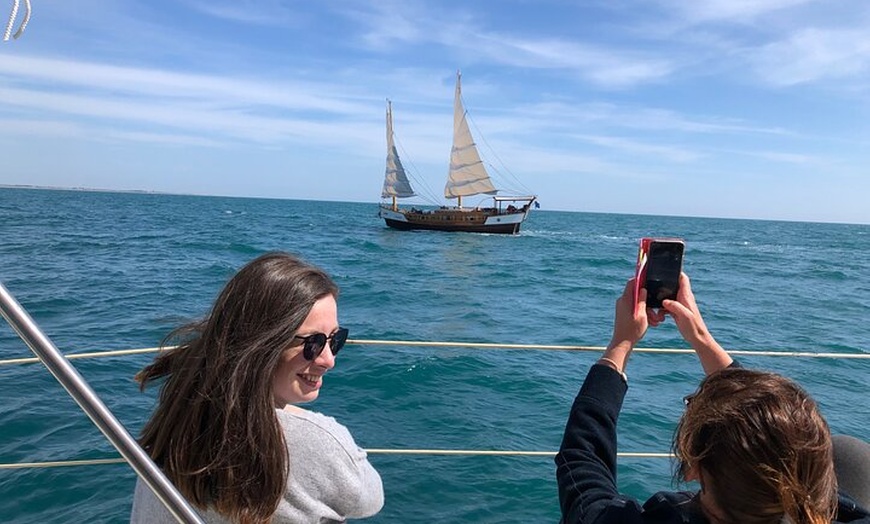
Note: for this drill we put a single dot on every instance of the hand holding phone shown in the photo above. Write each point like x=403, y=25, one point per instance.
x=659, y=264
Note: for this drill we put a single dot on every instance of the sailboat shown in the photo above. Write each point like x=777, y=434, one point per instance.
x=467, y=177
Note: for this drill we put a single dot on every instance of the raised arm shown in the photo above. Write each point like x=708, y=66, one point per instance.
x=629, y=326
x=586, y=462
x=688, y=318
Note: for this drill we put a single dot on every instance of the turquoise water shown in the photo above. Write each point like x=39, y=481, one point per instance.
x=102, y=271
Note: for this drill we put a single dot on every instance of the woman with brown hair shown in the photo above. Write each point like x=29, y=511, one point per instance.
x=227, y=430
x=755, y=441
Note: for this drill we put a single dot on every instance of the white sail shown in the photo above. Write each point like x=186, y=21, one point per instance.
x=396, y=183
x=467, y=175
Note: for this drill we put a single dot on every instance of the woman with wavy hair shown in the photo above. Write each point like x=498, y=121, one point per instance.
x=755, y=441
x=227, y=430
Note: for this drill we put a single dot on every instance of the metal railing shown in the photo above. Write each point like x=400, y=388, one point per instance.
x=91, y=404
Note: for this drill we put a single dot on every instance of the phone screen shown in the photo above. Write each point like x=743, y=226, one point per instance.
x=664, y=264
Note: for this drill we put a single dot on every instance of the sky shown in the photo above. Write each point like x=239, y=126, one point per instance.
x=722, y=108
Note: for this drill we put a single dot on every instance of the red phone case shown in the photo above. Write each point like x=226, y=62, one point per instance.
x=640, y=267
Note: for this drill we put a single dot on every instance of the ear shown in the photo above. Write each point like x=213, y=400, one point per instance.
x=691, y=472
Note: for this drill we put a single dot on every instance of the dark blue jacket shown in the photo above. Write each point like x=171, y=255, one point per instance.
x=586, y=467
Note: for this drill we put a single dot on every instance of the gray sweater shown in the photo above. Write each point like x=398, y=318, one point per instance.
x=330, y=478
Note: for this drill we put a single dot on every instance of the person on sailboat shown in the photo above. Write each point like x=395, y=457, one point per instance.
x=227, y=430
x=755, y=441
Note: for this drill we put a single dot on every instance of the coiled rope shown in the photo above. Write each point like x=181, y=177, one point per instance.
x=479, y=345
x=12, y=16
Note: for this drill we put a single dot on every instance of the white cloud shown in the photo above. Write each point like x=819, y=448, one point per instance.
x=260, y=12
x=599, y=65
x=730, y=10
x=386, y=24
x=226, y=124
x=813, y=55
x=636, y=147
x=43, y=128
x=469, y=36
x=149, y=82
x=560, y=116
x=791, y=158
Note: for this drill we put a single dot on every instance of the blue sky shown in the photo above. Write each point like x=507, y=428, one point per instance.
x=727, y=108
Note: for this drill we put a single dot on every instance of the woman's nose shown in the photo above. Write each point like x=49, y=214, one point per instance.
x=325, y=359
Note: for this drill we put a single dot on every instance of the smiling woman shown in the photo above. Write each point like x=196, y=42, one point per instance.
x=226, y=429
x=300, y=371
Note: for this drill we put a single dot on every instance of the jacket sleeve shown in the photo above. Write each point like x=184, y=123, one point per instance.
x=586, y=462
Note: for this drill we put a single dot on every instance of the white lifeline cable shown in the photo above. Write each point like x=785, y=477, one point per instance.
x=11, y=22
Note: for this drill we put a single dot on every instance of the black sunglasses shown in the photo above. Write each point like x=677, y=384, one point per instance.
x=312, y=345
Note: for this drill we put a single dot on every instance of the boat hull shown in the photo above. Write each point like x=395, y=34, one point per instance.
x=458, y=220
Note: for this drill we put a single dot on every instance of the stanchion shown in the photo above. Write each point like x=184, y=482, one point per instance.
x=91, y=404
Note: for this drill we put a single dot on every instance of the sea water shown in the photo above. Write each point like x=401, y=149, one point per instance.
x=105, y=271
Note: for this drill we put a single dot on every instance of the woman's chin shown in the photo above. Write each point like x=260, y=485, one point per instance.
x=306, y=395
x=303, y=397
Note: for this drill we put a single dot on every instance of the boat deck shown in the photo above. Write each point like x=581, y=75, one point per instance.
x=478, y=220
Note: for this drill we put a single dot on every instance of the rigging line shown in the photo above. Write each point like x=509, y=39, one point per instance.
x=442, y=452
x=427, y=194
x=479, y=345
x=12, y=16
x=493, y=169
x=493, y=152
x=430, y=195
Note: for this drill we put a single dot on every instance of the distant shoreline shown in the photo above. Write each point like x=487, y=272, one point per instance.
x=161, y=193
x=91, y=189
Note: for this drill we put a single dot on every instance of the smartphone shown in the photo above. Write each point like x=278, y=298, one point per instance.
x=660, y=262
